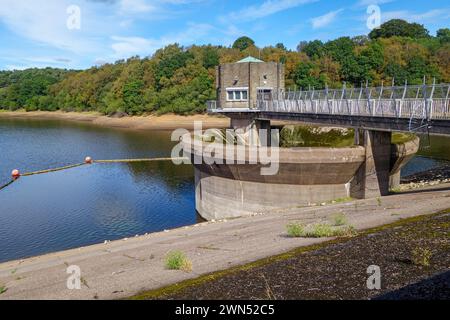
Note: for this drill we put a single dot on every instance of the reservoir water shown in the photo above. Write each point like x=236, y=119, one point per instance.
x=91, y=204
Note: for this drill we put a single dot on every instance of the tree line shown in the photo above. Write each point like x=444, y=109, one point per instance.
x=180, y=79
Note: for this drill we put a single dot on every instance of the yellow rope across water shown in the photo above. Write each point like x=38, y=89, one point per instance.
x=27, y=174
x=139, y=160
x=7, y=184
x=52, y=170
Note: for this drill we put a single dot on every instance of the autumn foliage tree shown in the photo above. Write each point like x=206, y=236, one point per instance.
x=180, y=80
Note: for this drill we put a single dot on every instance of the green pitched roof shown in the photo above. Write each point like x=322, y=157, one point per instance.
x=249, y=59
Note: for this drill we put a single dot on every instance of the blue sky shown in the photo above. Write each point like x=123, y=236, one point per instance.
x=35, y=33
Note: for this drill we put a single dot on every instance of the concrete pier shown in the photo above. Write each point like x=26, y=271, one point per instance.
x=372, y=178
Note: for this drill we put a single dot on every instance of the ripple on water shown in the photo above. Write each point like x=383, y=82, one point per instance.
x=90, y=204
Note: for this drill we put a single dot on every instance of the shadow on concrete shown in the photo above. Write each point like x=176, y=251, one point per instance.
x=434, y=288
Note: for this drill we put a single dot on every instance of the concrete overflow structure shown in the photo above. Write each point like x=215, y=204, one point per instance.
x=306, y=175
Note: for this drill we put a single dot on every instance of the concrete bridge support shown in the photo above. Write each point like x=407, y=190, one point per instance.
x=380, y=171
x=373, y=177
x=250, y=129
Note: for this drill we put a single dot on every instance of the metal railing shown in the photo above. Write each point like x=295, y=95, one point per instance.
x=422, y=102
x=417, y=103
x=211, y=105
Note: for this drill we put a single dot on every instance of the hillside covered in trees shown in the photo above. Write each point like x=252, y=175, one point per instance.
x=180, y=80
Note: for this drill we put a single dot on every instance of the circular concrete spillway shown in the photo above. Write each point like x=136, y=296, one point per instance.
x=306, y=175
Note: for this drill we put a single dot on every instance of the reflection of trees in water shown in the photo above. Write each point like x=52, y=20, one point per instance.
x=163, y=171
x=122, y=141
x=437, y=147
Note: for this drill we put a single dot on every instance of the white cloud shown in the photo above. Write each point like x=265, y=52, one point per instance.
x=135, y=6
x=129, y=46
x=44, y=22
x=365, y=3
x=427, y=16
x=265, y=9
x=326, y=19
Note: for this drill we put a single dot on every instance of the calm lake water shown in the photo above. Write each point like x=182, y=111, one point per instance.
x=91, y=204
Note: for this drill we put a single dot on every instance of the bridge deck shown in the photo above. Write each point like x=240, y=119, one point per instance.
x=408, y=108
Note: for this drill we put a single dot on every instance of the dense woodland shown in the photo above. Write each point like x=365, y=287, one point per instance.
x=181, y=79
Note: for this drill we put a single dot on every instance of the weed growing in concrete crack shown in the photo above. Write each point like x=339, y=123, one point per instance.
x=348, y=231
x=379, y=201
x=295, y=230
x=421, y=256
x=319, y=230
x=177, y=260
x=3, y=289
x=339, y=220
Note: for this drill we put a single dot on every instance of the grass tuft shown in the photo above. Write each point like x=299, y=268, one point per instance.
x=379, y=201
x=347, y=232
x=3, y=289
x=339, y=220
x=177, y=260
x=295, y=230
x=319, y=230
x=421, y=256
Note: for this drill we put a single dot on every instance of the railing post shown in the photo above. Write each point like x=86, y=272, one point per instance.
x=342, y=97
x=333, y=102
x=446, y=102
x=326, y=98
x=312, y=100
x=403, y=98
x=347, y=101
x=431, y=102
x=359, y=99
x=368, y=95
x=424, y=92
x=379, y=98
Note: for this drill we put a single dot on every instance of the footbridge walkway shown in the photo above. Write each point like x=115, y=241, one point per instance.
x=410, y=108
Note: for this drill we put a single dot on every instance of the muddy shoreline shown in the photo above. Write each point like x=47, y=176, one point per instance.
x=150, y=122
x=438, y=174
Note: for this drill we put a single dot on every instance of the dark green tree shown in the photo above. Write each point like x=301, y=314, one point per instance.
x=243, y=43
x=211, y=57
x=280, y=46
x=400, y=28
x=443, y=35
x=313, y=49
x=304, y=77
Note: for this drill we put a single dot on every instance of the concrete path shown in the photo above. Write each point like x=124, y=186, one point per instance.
x=123, y=268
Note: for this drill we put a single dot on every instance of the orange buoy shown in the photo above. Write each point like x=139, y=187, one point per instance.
x=15, y=174
x=88, y=160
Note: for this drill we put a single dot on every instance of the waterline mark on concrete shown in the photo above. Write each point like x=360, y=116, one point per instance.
x=233, y=146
